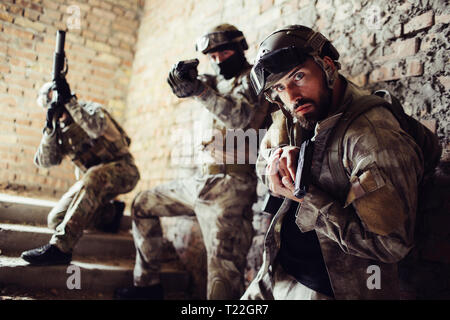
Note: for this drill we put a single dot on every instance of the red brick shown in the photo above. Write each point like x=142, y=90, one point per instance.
x=4, y=68
x=104, y=14
x=445, y=81
x=14, y=31
x=8, y=101
x=15, y=92
x=265, y=5
x=31, y=14
x=414, y=68
x=6, y=17
x=385, y=73
x=22, y=54
x=54, y=15
x=419, y=23
x=26, y=23
x=16, y=10
x=406, y=48
x=443, y=18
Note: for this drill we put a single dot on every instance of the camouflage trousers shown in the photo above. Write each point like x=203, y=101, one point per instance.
x=222, y=205
x=280, y=286
x=80, y=207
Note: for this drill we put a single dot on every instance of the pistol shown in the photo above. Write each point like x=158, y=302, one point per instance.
x=303, y=173
x=187, y=69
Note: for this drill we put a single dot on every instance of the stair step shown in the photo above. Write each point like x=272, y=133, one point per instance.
x=16, y=209
x=96, y=277
x=16, y=238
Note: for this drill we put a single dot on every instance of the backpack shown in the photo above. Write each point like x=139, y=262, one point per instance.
x=426, y=269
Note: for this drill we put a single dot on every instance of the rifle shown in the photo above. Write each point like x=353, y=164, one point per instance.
x=302, y=178
x=58, y=73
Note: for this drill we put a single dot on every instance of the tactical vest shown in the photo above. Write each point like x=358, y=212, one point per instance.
x=86, y=152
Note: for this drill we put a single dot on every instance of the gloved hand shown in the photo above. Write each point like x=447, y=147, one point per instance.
x=183, y=84
x=49, y=118
x=63, y=89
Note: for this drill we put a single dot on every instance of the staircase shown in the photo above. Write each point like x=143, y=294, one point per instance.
x=103, y=261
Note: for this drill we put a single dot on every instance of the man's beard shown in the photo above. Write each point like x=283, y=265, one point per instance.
x=309, y=120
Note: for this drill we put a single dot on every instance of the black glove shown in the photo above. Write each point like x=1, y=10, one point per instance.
x=184, y=84
x=63, y=89
x=51, y=111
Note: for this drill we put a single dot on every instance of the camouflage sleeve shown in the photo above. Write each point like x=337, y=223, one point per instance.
x=48, y=153
x=274, y=138
x=384, y=166
x=235, y=109
x=89, y=116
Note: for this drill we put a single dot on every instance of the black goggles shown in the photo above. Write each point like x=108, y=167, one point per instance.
x=273, y=66
x=215, y=39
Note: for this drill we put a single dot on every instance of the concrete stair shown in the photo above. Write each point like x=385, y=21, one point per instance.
x=105, y=261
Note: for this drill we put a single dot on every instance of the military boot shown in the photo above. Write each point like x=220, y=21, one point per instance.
x=154, y=292
x=46, y=255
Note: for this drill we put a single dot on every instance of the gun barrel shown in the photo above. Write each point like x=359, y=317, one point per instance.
x=58, y=57
x=60, y=40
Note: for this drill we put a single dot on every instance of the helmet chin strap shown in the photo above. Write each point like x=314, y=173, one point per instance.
x=280, y=105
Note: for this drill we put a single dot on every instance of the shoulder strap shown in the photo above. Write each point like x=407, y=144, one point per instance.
x=335, y=148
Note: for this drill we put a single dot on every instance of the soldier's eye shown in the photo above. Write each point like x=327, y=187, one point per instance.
x=279, y=88
x=299, y=76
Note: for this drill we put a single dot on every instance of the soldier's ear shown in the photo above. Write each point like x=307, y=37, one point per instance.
x=329, y=63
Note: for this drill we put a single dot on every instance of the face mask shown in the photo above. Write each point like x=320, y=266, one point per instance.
x=231, y=67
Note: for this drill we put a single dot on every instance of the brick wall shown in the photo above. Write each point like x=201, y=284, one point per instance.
x=100, y=55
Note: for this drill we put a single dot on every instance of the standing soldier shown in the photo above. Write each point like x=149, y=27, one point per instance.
x=222, y=194
x=98, y=146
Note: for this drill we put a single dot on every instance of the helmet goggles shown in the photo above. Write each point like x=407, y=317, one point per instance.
x=212, y=40
x=273, y=66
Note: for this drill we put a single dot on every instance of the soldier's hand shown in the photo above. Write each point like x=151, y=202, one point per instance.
x=183, y=85
x=281, y=170
x=63, y=89
x=50, y=114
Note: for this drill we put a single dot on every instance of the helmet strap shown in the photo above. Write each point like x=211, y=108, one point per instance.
x=330, y=73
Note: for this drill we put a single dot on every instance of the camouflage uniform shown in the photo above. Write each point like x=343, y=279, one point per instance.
x=220, y=195
x=98, y=146
x=371, y=225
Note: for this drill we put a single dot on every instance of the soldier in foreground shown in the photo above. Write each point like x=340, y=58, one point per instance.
x=222, y=193
x=358, y=214
x=98, y=147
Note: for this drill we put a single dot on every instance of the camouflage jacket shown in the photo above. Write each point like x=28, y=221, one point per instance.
x=235, y=107
x=374, y=224
x=89, y=124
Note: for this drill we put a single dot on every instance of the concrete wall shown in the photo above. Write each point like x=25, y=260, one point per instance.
x=100, y=54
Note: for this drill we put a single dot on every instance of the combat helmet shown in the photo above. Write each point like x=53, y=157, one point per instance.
x=286, y=48
x=225, y=37
x=219, y=37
